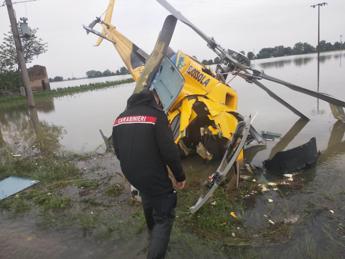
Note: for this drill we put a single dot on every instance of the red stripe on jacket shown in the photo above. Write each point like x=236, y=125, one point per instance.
x=135, y=120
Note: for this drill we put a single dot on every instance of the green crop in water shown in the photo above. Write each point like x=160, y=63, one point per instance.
x=7, y=102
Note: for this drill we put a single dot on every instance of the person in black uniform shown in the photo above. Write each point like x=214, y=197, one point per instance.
x=143, y=142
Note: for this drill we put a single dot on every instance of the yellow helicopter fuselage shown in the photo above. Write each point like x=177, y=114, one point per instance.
x=203, y=116
x=200, y=85
x=205, y=109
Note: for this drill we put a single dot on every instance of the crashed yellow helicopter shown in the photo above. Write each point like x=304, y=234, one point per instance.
x=200, y=105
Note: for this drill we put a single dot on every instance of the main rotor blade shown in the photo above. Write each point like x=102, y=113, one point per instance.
x=183, y=19
x=322, y=96
x=153, y=62
x=280, y=100
x=274, y=96
x=233, y=57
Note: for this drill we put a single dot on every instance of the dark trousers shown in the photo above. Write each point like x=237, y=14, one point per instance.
x=159, y=214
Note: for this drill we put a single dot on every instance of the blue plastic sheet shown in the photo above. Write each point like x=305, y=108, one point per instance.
x=12, y=185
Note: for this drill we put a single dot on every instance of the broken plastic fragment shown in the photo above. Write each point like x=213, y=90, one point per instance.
x=233, y=214
x=270, y=200
x=271, y=222
x=12, y=185
x=213, y=203
x=292, y=219
x=245, y=177
x=298, y=158
x=264, y=188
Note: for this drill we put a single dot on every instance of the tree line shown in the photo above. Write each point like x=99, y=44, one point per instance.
x=93, y=74
x=280, y=51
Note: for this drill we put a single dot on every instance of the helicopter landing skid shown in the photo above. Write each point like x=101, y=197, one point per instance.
x=230, y=157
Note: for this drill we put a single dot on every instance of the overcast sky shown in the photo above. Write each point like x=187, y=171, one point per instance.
x=247, y=25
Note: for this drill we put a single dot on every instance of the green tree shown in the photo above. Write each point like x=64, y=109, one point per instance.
x=216, y=60
x=337, y=45
x=250, y=55
x=33, y=46
x=278, y=51
x=107, y=73
x=207, y=62
x=287, y=51
x=308, y=48
x=57, y=79
x=265, y=53
x=123, y=71
x=298, y=48
x=93, y=73
x=326, y=46
x=10, y=82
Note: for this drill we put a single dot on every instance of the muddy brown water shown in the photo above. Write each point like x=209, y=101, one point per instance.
x=315, y=211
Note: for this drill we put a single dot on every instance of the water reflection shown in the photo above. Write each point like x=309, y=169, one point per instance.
x=46, y=105
x=299, y=61
x=324, y=58
x=288, y=137
x=79, y=117
x=275, y=64
x=23, y=132
x=302, y=61
x=46, y=136
x=336, y=144
x=340, y=57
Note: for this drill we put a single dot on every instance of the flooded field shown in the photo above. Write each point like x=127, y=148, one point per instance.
x=304, y=220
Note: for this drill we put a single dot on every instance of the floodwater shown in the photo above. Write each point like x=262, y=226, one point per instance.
x=73, y=124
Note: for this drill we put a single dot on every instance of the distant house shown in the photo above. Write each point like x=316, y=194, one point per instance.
x=38, y=78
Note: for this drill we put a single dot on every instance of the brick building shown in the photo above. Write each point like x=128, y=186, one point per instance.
x=38, y=78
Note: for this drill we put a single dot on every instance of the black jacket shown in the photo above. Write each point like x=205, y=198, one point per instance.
x=144, y=144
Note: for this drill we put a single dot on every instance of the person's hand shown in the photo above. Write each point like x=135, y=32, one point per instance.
x=180, y=185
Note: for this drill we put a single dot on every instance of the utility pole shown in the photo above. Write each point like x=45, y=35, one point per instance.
x=318, y=46
x=20, y=54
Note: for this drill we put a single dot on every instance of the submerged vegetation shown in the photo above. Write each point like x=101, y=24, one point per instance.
x=70, y=196
x=65, y=195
